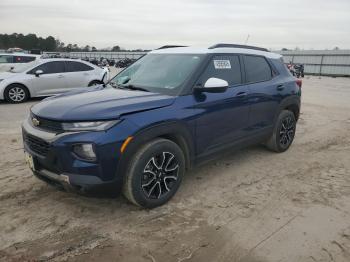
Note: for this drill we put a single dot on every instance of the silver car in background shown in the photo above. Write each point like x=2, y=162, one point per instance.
x=10, y=60
x=46, y=77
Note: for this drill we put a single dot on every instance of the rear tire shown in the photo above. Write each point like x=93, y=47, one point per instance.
x=283, y=132
x=154, y=173
x=16, y=93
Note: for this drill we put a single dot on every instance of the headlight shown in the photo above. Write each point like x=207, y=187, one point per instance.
x=85, y=151
x=89, y=126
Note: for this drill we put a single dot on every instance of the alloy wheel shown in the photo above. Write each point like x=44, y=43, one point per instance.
x=17, y=94
x=160, y=175
x=287, y=131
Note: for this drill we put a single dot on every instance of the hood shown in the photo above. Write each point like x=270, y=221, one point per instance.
x=6, y=75
x=98, y=103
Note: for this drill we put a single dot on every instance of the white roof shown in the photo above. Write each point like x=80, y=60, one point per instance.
x=228, y=50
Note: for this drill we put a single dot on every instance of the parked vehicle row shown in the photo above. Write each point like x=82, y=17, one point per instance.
x=296, y=70
x=121, y=63
x=47, y=77
x=167, y=112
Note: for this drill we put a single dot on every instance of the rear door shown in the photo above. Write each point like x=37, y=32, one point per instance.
x=6, y=62
x=78, y=74
x=225, y=115
x=263, y=97
x=52, y=81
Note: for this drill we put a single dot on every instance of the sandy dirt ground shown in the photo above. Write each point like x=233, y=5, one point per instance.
x=251, y=205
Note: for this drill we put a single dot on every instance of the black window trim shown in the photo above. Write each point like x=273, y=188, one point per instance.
x=273, y=75
x=32, y=72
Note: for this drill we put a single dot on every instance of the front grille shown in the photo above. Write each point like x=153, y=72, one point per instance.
x=46, y=124
x=36, y=144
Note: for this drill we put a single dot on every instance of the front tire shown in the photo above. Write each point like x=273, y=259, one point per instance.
x=154, y=174
x=283, y=132
x=16, y=94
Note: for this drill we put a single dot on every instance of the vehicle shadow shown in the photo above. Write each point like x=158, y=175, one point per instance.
x=228, y=158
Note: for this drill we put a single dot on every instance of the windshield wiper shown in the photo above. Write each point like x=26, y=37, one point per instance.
x=132, y=87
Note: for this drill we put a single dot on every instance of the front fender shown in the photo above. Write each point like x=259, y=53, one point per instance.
x=173, y=130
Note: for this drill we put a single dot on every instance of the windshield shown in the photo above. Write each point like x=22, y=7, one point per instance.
x=20, y=68
x=159, y=73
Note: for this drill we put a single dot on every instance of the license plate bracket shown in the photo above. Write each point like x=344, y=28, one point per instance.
x=30, y=160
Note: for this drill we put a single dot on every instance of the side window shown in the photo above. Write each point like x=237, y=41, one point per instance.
x=224, y=67
x=4, y=59
x=50, y=68
x=257, y=69
x=72, y=66
x=24, y=59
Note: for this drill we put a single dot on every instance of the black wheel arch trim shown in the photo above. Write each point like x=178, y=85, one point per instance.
x=288, y=103
x=172, y=130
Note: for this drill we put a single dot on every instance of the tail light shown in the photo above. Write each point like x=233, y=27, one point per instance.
x=299, y=82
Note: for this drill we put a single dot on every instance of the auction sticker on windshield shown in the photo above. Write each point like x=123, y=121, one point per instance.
x=222, y=64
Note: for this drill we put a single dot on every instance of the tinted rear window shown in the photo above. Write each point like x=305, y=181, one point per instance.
x=24, y=59
x=72, y=66
x=257, y=69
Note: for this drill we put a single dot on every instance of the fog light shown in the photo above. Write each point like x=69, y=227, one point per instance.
x=85, y=151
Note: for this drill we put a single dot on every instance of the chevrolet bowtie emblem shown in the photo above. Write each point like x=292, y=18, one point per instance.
x=36, y=122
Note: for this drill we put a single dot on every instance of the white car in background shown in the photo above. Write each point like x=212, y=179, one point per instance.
x=46, y=77
x=10, y=60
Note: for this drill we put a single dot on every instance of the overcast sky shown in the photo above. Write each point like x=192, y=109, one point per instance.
x=316, y=24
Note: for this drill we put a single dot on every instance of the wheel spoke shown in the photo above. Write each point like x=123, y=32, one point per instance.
x=160, y=190
x=152, y=189
x=165, y=184
x=170, y=177
x=149, y=183
x=153, y=162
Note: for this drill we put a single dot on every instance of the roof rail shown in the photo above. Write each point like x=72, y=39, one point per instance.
x=170, y=46
x=239, y=46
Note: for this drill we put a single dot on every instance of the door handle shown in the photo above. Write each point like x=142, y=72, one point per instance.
x=241, y=94
x=60, y=76
x=280, y=87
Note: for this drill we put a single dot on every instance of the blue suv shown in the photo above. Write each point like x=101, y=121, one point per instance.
x=170, y=110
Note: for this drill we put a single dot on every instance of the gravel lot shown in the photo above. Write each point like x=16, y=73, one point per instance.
x=251, y=205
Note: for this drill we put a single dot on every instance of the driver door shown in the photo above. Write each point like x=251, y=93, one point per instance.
x=225, y=116
x=51, y=81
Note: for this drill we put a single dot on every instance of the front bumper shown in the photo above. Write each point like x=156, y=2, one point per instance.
x=55, y=163
x=2, y=90
x=77, y=183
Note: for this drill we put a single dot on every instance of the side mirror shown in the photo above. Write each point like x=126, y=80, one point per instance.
x=213, y=85
x=38, y=73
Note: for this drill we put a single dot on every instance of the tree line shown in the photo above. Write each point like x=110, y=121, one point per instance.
x=48, y=44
